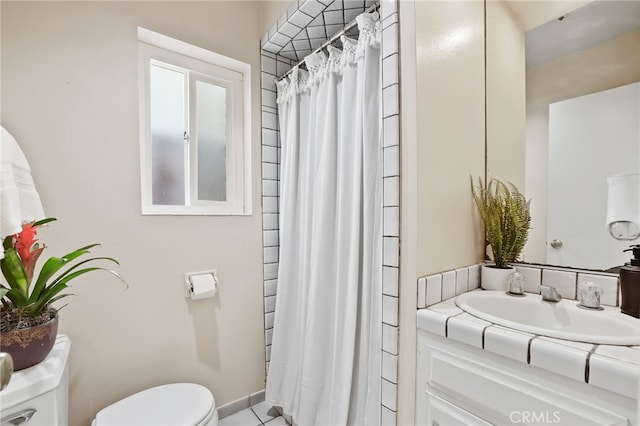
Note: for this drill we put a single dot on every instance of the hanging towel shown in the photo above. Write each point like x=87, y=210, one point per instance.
x=19, y=200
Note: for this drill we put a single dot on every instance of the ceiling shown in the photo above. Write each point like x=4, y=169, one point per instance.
x=571, y=31
x=309, y=23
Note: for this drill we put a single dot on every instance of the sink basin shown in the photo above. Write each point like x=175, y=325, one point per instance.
x=562, y=320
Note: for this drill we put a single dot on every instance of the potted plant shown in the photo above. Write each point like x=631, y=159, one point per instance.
x=506, y=216
x=29, y=322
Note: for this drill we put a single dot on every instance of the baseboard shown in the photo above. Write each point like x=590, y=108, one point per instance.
x=240, y=404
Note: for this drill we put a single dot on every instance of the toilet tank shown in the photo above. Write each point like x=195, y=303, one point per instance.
x=39, y=395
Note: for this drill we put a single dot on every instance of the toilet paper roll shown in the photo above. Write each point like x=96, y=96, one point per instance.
x=203, y=286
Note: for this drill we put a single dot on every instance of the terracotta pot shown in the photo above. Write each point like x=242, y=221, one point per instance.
x=492, y=278
x=29, y=346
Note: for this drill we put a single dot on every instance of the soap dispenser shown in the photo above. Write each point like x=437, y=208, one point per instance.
x=630, y=284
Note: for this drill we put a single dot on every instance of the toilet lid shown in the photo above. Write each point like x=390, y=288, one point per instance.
x=177, y=404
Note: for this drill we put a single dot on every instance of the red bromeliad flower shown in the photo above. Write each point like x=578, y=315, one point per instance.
x=28, y=248
x=25, y=240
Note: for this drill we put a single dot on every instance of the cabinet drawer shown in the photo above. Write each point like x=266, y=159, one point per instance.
x=443, y=413
x=500, y=397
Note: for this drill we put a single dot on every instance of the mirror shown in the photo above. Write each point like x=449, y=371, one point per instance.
x=582, y=125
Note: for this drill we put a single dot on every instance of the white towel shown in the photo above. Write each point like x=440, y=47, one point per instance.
x=19, y=200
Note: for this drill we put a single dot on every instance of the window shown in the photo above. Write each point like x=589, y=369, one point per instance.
x=194, y=129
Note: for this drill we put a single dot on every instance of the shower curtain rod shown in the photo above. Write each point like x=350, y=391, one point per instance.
x=331, y=39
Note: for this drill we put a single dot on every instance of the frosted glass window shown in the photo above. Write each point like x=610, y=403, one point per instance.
x=211, y=129
x=195, y=128
x=167, y=108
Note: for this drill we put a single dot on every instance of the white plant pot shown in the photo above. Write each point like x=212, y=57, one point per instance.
x=492, y=278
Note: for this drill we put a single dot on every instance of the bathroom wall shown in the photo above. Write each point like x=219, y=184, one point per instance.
x=450, y=110
x=69, y=96
x=442, y=144
x=271, y=11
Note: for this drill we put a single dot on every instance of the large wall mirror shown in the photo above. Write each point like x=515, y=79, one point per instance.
x=582, y=125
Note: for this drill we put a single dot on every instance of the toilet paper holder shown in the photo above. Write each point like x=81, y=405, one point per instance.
x=201, y=285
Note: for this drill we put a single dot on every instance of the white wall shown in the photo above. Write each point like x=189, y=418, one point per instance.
x=69, y=96
x=272, y=10
x=451, y=131
x=443, y=133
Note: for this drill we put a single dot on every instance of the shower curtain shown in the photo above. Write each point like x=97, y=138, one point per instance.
x=326, y=348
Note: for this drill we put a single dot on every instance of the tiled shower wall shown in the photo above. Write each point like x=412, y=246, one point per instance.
x=306, y=25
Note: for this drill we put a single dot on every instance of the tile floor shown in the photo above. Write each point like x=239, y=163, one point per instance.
x=257, y=415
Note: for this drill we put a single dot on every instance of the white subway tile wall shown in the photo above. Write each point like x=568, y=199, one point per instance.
x=532, y=278
x=422, y=293
x=390, y=281
x=391, y=204
x=474, y=277
x=434, y=289
x=448, y=285
x=390, y=367
x=462, y=280
x=564, y=281
x=390, y=339
x=306, y=25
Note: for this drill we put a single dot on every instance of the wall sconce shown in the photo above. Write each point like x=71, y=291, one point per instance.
x=623, y=206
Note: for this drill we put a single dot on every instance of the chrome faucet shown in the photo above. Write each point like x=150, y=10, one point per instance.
x=589, y=296
x=549, y=293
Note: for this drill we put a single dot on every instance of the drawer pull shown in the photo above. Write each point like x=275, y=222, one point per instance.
x=18, y=418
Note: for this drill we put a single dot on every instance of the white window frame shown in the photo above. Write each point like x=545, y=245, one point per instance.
x=210, y=67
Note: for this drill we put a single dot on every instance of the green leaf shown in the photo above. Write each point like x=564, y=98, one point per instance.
x=61, y=284
x=506, y=216
x=43, y=221
x=14, y=272
x=7, y=242
x=52, y=266
x=17, y=298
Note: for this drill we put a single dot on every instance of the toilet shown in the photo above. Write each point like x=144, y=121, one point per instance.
x=177, y=404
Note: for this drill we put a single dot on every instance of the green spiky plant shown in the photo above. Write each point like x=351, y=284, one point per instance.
x=27, y=302
x=507, y=220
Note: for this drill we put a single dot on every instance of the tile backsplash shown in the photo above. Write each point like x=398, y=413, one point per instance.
x=438, y=287
x=435, y=288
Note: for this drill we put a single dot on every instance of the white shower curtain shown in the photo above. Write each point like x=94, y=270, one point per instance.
x=326, y=347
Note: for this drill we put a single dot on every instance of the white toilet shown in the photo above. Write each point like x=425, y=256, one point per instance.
x=178, y=404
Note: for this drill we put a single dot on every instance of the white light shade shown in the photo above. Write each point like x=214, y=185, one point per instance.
x=623, y=206
x=19, y=200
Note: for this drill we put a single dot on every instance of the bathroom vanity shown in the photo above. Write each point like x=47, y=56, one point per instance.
x=473, y=371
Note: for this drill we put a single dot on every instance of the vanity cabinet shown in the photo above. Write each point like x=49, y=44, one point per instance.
x=459, y=384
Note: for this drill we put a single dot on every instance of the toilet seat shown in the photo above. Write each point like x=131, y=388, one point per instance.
x=178, y=404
